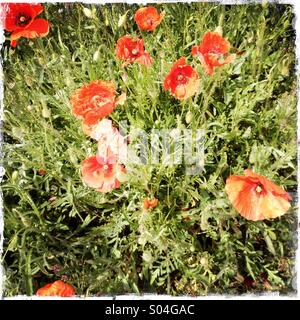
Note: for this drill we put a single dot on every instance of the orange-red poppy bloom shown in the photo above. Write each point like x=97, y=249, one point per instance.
x=101, y=176
x=255, y=197
x=150, y=203
x=182, y=80
x=213, y=51
x=132, y=50
x=57, y=288
x=20, y=20
x=94, y=101
x=148, y=18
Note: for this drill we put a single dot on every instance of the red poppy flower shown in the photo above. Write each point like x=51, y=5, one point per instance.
x=255, y=197
x=101, y=176
x=57, y=288
x=182, y=80
x=132, y=50
x=148, y=18
x=150, y=203
x=20, y=19
x=94, y=101
x=213, y=51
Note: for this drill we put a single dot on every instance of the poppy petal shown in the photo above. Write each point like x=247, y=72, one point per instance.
x=38, y=28
x=101, y=175
x=145, y=59
x=272, y=206
x=255, y=197
x=180, y=62
x=121, y=99
x=195, y=50
x=230, y=58
x=37, y=9
x=248, y=204
x=150, y=203
x=271, y=186
x=13, y=43
x=57, y=288
x=209, y=69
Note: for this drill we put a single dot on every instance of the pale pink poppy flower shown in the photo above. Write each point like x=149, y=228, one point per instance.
x=101, y=176
x=112, y=146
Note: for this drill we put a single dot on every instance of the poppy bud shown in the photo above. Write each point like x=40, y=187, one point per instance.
x=188, y=38
x=17, y=132
x=264, y=4
x=28, y=81
x=68, y=80
x=87, y=12
x=122, y=20
x=162, y=54
x=73, y=157
x=41, y=61
x=14, y=176
x=124, y=77
x=247, y=133
x=147, y=256
x=96, y=55
x=204, y=262
x=46, y=112
x=106, y=21
x=284, y=67
x=189, y=117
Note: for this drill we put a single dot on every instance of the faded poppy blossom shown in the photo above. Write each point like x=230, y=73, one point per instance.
x=255, y=197
x=213, y=51
x=132, y=50
x=150, y=203
x=101, y=176
x=112, y=146
x=57, y=288
x=148, y=18
x=94, y=101
x=20, y=20
x=182, y=80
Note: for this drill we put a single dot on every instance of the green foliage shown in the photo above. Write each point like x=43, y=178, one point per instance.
x=56, y=227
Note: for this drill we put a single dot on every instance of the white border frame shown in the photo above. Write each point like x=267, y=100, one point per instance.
x=266, y=296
